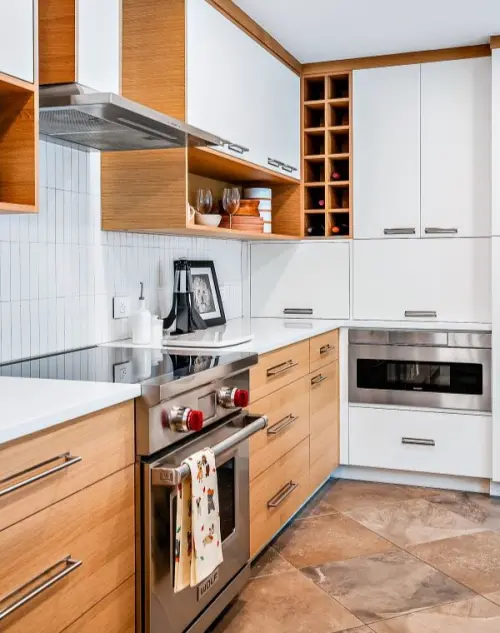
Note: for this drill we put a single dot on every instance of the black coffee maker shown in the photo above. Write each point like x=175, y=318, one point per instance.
x=184, y=313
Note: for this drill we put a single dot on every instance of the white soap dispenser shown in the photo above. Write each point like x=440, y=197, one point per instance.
x=141, y=322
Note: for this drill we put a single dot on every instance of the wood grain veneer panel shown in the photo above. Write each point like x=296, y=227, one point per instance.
x=145, y=190
x=399, y=59
x=154, y=54
x=57, y=41
x=287, y=216
x=247, y=24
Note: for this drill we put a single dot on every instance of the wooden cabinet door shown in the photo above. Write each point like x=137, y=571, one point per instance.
x=456, y=148
x=386, y=153
x=17, y=39
x=312, y=277
x=423, y=280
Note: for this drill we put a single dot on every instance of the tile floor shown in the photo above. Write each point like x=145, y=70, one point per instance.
x=378, y=558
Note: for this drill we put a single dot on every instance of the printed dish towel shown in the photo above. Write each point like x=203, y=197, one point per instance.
x=198, y=547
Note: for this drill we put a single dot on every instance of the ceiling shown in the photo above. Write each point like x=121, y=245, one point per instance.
x=324, y=30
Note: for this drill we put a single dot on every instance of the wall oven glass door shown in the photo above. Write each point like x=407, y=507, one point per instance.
x=164, y=610
x=436, y=377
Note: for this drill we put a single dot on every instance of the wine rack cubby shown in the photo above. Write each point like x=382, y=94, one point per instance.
x=327, y=143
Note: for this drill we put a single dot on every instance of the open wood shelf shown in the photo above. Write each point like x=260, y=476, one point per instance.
x=327, y=147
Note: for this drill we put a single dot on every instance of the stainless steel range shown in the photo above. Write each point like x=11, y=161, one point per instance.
x=175, y=418
x=450, y=370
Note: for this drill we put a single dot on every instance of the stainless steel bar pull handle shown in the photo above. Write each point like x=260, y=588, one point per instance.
x=326, y=349
x=165, y=476
x=285, y=492
x=317, y=380
x=434, y=230
x=431, y=314
x=418, y=441
x=290, y=311
x=240, y=149
x=70, y=566
x=69, y=460
x=400, y=231
x=274, y=163
x=282, y=424
x=279, y=369
x=289, y=168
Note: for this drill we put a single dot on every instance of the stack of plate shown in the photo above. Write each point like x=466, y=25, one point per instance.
x=248, y=223
x=264, y=195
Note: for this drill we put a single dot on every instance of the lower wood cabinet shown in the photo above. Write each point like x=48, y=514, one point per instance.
x=300, y=448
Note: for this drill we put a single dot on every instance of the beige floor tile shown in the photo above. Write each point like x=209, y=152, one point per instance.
x=386, y=585
x=494, y=597
x=318, y=506
x=347, y=496
x=412, y=522
x=270, y=563
x=327, y=538
x=473, y=560
x=284, y=603
x=482, y=509
x=476, y=615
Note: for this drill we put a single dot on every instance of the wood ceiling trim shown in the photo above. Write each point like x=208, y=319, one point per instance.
x=398, y=59
x=495, y=41
x=247, y=24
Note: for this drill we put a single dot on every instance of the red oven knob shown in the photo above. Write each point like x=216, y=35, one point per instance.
x=230, y=397
x=183, y=419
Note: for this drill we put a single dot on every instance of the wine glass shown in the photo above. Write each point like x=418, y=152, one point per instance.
x=204, y=200
x=231, y=202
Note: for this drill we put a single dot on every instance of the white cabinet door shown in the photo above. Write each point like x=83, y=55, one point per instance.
x=423, y=280
x=456, y=147
x=310, y=277
x=386, y=153
x=16, y=39
x=382, y=438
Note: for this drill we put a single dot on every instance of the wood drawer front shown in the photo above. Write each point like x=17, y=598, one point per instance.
x=288, y=412
x=402, y=440
x=114, y=614
x=104, y=441
x=95, y=526
x=320, y=471
x=278, y=369
x=324, y=399
x=325, y=446
x=324, y=349
x=265, y=521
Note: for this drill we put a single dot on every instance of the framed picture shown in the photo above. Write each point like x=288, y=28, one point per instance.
x=206, y=292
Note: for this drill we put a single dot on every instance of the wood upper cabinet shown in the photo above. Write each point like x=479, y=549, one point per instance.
x=17, y=39
x=456, y=147
x=239, y=91
x=300, y=280
x=386, y=131
x=80, y=42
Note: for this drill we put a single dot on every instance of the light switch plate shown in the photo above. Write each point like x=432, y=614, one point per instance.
x=121, y=307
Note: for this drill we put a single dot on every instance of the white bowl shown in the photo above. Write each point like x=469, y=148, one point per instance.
x=213, y=219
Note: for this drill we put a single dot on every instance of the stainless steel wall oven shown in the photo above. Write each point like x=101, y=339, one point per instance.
x=450, y=370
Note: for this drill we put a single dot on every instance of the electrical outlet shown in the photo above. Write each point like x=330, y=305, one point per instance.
x=121, y=307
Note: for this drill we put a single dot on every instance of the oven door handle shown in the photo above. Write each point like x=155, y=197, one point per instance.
x=166, y=476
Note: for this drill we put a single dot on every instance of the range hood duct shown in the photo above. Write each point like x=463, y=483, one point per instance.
x=110, y=123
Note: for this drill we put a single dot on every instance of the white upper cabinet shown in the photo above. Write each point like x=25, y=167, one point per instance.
x=300, y=280
x=386, y=131
x=456, y=147
x=423, y=280
x=241, y=92
x=17, y=39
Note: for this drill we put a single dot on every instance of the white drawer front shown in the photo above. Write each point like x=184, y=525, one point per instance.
x=442, y=443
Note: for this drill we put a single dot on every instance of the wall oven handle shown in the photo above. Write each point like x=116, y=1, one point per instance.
x=282, y=424
x=283, y=494
x=71, y=565
x=291, y=311
x=279, y=369
x=418, y=441
x=69, y=460
x=421, y=313
x=167, y=476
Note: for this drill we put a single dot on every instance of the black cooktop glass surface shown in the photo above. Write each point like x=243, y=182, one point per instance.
x=118, y=364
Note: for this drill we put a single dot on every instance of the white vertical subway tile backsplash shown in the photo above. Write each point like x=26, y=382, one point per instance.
x=59, y=271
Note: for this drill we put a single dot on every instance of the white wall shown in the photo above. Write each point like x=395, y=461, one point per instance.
x=59, y=271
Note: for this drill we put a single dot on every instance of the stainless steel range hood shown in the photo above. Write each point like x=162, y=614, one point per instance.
x=108, y=122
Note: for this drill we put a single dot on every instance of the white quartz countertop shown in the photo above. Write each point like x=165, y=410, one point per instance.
x=28, y=405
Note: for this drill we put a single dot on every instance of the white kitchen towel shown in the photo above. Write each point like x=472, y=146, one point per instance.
x=198, y=547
